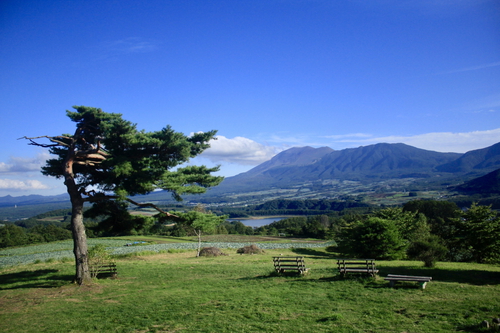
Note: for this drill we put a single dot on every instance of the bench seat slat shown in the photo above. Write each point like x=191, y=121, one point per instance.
x=406, y=279
x=288, y=266
x=355, y=263
x=422, y=280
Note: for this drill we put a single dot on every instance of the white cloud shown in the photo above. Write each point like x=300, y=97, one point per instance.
x=19, y=185
x=238, y=150
x=474, y=68
x=439, y=141
x=129, y=45
x=21, y=164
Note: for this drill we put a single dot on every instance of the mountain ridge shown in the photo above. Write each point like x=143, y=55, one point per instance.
x=300, y=165
x=378, y=161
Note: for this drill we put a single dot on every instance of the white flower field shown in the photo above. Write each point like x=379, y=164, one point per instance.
x=64, y=249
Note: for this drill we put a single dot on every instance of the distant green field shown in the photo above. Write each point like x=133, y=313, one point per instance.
x=177, y=292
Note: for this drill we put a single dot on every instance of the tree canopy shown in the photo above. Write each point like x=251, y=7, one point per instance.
x=109, y=159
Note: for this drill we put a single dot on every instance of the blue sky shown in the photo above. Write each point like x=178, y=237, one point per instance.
x=267, y=74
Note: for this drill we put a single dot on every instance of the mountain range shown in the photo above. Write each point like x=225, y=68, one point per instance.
x=371, y=163
x=476, y=170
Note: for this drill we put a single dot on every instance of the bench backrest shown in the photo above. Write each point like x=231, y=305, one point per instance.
x=289, y=263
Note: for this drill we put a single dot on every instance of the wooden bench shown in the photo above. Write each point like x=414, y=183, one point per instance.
x=287, y=264
x=362, y=266
x=103, y=270
x=422, y=280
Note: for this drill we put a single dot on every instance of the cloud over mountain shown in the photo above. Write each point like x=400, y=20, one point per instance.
x=21, y=185
x=436, y=141
x=22, y=164
x=238, y=150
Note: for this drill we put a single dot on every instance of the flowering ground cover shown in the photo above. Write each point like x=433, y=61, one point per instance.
x=63, y=249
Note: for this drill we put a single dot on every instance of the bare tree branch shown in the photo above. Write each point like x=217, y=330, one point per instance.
x=153, y=206
x=46, y=145
x=93, y=198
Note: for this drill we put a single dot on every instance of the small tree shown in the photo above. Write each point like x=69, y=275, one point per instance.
x=478, y=231
x=199, y=222
x=429, y=250
x=98, y=256
x=374, y=237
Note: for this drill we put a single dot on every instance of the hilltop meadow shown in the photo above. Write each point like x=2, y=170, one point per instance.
x=175, y=291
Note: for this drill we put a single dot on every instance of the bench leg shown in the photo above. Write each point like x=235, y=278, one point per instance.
x=392, y=283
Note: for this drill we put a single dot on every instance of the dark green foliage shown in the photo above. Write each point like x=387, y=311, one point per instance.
x=51, y=233
x=315, y=226
x=236, y=228
x=221, y=230
x=373, y=238
x=429, y=250
x=304, y=207
x=116, y=220
x=478, y=233
x=12, y=235
x=112, y=156
x=441, y=216
x=108, y=159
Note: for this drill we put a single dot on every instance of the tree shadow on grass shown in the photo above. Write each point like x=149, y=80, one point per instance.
x=274, y=274
x=470, y=276
x=312, y=253
x=42, y=278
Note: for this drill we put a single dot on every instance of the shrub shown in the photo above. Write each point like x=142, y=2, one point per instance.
x=375, y=238
x=428, y=251
x=211, y=252
x=250, y=249
x=98, y=255
x=331, y=248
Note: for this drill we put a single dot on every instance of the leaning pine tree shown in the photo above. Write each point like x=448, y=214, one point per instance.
x=108, y=159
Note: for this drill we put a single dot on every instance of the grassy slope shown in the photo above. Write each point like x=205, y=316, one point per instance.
x=240, y=293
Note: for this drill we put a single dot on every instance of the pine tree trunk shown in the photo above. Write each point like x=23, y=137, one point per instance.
x=82, y=274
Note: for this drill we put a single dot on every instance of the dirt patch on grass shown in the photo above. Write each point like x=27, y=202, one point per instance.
x=13, y=300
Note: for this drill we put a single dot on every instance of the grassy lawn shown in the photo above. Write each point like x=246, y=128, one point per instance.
x=177, y=292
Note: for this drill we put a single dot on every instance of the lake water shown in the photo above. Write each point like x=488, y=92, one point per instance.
x=255, y=223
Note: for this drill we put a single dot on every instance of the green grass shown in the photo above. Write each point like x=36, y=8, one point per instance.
x=177, y=292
